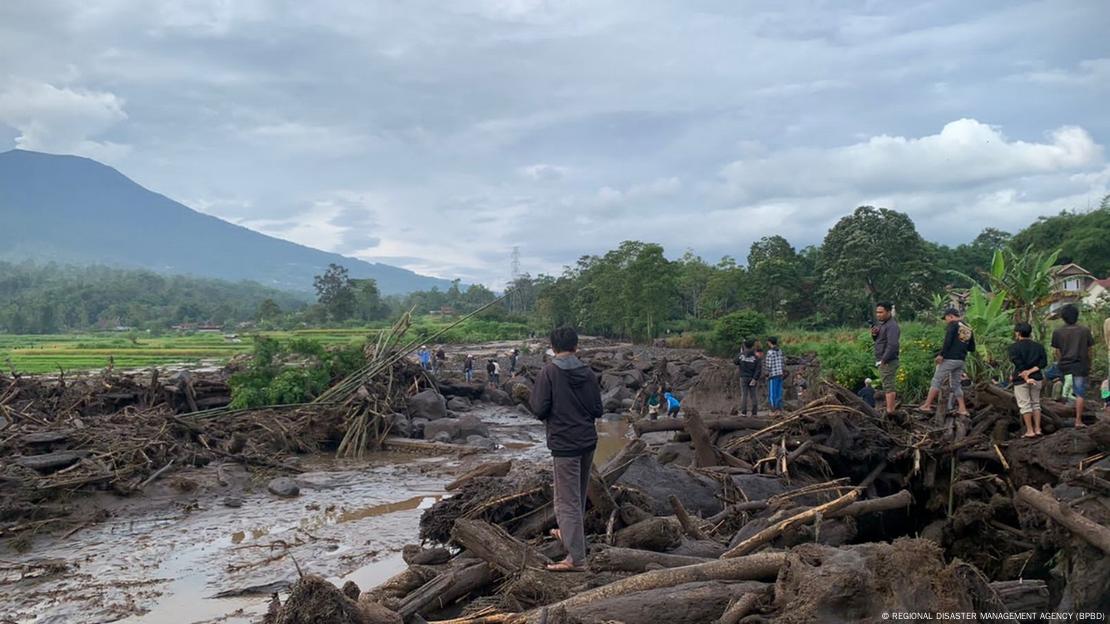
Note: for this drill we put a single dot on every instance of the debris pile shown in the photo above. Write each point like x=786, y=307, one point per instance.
x=829, y=511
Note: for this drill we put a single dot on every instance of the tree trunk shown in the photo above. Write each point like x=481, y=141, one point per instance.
x=636, y=560
x=750, y=568
x=1080, y=526
x=1026, y=596
x=775, y=530
x=445, y=589
x=721, y=424
x=658, y=534
x=493, y=545
x=497, y=469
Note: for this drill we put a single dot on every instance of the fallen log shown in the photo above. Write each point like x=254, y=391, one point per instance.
x=761, y=566
x=617, y=559
x=770, y=533
x=721, y=424
x=616, y=467
x=688, y=603
x=1026, y=596
x=1081, y=526
x=492, y=544
x=900, y=500
x=689, y=526
x=741, y=607
x=445, y=589
x=658, y=534
x=496, y=469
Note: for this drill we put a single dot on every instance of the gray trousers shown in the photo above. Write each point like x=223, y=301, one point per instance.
x=951, y=371
x=748, y=395
x=572, y=478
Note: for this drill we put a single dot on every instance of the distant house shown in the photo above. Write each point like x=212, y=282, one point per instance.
x=1098, y=290
x=210, y=329
x=1072, y=283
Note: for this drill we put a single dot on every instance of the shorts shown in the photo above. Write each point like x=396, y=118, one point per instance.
x=1028, y=397
x=888, y=375
x=1079, y=386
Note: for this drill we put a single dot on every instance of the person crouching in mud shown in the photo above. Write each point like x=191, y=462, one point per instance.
x=567, y=398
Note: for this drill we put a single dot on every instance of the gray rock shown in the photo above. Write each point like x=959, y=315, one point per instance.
x=612, y=400
x=469, y=425
x=481, y=442
x=417, y=427
x=498, y=397
x=677, y=453
x=444, y=426
x=284, y=487
x=610, y=381
x=400, y=425
x=634, y=379
x=698, y=366
x=233, y=501
x=626, y=403
x=442, y=436
x=458, y=404
x=427, y=404
x=659, y=482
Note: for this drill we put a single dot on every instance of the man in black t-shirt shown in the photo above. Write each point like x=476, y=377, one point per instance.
x=1072, y=345
x=1029, y=361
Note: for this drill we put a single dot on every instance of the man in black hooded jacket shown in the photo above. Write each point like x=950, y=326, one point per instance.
x=567, y=398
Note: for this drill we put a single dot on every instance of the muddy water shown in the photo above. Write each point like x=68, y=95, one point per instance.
x=168, y=557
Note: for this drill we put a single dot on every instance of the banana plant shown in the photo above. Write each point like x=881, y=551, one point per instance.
x=992, y=324
x=1023, y=279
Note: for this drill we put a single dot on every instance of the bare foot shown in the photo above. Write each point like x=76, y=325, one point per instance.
x=566, y=565
x=557, y=534
x=1029, y=435
x=1080, y=425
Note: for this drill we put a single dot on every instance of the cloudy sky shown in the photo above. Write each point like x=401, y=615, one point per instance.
x=439, y=135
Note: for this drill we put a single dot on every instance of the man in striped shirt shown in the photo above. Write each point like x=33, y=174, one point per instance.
x=774, y=364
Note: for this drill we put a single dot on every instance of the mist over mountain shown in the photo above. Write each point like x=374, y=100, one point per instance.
x=74, y=210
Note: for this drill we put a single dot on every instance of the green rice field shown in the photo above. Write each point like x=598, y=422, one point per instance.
x=72, y=352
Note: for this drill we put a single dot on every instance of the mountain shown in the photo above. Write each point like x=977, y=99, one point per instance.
x=74, y=210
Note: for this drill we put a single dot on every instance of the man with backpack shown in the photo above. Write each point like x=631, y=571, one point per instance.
x=750, y=372
x=959, y=340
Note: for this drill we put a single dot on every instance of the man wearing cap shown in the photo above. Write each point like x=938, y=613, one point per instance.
x=959, y=340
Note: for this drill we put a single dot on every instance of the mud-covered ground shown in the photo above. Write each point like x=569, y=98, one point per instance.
x=212, y=544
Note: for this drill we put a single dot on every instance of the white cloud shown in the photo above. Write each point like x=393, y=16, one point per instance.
x=965, y=152
x=62, y=120
x=541, y=172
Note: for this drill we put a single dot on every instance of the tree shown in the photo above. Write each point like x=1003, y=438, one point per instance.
x=368, y=300
x=268, y=310
x=875, y=254
x=773, y=275
x=335, y=292
x=733, y=329
x=692, y=280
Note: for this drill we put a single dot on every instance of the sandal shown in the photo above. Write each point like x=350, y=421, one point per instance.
x=964, y=414
x=924, y=410
x=1029, y=435
x=566, y=565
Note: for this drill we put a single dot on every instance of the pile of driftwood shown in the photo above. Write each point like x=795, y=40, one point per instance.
x=828, y=512
x=120, y=432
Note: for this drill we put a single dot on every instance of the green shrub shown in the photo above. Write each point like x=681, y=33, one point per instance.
x=268, y=380
x=732, y=329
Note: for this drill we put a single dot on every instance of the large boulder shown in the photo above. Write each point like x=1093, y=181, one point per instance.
x=416, y=427
x=610, y=381
x=612, y=400
x=697, y=493
x=634, y=379
x=498, y=396
x=469, y=425
x=400, y=425
x=436, y=429
x=427, y=404
x=284, y=487
x=458, y=404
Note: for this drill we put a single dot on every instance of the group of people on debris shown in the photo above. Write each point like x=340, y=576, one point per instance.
x=437, y=361
x=1072, y=345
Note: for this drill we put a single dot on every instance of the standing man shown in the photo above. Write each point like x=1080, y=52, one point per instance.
x=1029, y=361
x=959, y=340
x=567, y=398
x=750, y=369
x=468, y=368
x=425, y=357
x=774, y=364
x=513, y=355
x=887, y=336
x=1073, y=344
x=441, y=358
